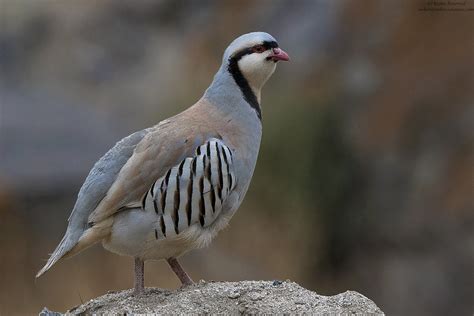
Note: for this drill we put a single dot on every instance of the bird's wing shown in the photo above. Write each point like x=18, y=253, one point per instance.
x=161, y=149
x=193, y=191
x=102, y=176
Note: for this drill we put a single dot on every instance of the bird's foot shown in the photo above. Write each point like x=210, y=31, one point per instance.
x=138, y=291
x=180, y=273
x=186, y=282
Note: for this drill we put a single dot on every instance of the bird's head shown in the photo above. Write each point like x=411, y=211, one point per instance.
x=254, y=56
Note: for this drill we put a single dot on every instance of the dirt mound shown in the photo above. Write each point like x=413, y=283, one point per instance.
x=248, y=297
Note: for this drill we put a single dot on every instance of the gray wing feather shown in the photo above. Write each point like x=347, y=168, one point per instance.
x=101, y=177
x=95, y=187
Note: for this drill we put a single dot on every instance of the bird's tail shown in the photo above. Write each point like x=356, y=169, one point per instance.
x=63, y=248
x=76, y=240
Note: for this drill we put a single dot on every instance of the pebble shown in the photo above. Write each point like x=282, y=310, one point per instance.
x=277, y=282
x=346, y=303
x=254, y=296
x=233, y=295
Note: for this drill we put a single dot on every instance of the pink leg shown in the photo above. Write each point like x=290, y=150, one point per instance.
x=180, y=273
x=139, y=276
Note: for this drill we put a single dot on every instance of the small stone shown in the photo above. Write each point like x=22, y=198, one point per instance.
x=299, y=302
x=47, y=312
x=346, y=303
x=233, y=295
x=254, y=296
x=277, y=282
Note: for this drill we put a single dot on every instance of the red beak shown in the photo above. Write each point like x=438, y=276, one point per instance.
x=278, y=54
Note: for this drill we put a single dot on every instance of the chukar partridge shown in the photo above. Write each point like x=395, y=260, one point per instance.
x=165, y=190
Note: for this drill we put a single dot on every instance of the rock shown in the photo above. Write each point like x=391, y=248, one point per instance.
x=249, y=297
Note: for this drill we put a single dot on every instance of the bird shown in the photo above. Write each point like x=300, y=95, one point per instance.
x=167, y=189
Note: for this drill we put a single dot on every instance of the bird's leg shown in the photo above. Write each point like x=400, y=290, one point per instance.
x=139, y=281
x=180, y=273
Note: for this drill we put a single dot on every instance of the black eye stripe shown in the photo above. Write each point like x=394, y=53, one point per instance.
x=259, y=49
x=271, y=44
x=246, y=51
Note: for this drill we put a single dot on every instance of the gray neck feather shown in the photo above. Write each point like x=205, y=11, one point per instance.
x=223, y=89
x=225, y=94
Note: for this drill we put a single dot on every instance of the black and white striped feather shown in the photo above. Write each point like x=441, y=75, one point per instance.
x=193, y=191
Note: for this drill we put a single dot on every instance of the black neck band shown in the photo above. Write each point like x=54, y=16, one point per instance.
x=244, y=86
x=241, y=81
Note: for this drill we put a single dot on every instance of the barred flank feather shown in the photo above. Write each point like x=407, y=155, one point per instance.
x=193, y=191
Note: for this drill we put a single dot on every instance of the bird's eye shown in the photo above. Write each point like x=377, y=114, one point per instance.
x=259, y=49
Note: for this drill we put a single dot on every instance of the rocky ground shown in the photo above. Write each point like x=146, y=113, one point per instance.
x=246, y=297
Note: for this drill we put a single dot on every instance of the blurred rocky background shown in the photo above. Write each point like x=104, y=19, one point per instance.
x=366, y=174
